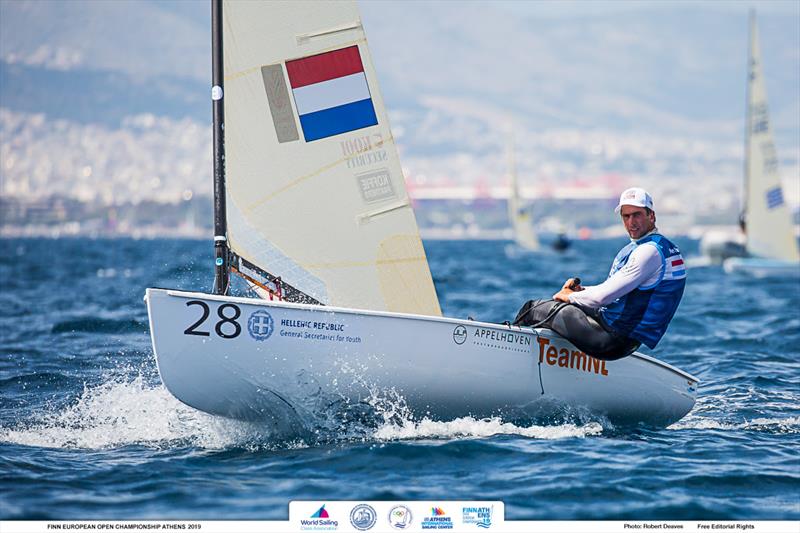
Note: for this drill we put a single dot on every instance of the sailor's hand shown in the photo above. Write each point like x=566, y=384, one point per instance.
x=570, y=286
x=563, y=295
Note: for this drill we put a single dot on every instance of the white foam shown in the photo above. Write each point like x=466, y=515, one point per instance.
x=721, y=411
x=127, y=412
x=487, y=427
x=780, y=425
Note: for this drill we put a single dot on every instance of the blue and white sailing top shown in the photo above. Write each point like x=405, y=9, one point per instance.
x=643, y=289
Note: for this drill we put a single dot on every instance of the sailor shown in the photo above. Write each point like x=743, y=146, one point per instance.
x=634, y=305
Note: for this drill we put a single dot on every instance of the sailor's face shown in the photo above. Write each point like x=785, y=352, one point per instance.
x=637, y=220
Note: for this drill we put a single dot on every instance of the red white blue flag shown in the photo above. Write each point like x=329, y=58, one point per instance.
x=331, y=93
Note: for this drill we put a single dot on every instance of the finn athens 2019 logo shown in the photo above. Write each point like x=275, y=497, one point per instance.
x=260, y=325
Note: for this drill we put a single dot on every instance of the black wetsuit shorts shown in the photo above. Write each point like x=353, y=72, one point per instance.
x=583, y=327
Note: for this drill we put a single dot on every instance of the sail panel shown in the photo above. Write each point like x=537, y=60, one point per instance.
x=769, y=224
x=520, y=216
x=315, y=190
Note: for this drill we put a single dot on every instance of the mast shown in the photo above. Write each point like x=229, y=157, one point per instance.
x=221, y=267
x=748, y=120
x=513, y=199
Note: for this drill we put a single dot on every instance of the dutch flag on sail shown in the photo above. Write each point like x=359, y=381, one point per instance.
x=331, y=93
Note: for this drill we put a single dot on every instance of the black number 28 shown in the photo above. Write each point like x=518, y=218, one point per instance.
x=223, y=319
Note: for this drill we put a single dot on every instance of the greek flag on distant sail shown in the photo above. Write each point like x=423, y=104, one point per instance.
x=331, y=93
x=774, y=197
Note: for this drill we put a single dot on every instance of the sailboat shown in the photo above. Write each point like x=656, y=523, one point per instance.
x=519, y=214
x=312, y=214
x=770, y=244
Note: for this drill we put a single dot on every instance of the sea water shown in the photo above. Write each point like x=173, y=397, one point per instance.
x=87, y=430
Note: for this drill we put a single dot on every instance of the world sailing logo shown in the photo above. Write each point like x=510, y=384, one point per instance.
x=321, y=513
x=320, y=521
x=260, y=325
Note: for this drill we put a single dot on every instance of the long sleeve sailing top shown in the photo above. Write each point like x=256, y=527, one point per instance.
x=645, y=266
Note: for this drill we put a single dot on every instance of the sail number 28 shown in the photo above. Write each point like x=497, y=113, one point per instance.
x=227, y=313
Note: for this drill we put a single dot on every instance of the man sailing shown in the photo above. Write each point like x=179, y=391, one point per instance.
x=633, y=306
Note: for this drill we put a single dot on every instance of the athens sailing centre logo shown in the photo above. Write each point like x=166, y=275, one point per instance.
x=437, y=520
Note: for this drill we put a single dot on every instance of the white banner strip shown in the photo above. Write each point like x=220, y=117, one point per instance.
x=293, y=526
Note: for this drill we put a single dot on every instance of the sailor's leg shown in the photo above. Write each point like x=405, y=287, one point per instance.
x=589, y=336
x=534, y=311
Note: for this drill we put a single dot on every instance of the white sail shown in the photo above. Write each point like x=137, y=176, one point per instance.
x=768, y=218
x=518, y=214
x=315, y=191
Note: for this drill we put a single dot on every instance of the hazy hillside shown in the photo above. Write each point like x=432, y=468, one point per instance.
x=650, y=91
x=675, y=66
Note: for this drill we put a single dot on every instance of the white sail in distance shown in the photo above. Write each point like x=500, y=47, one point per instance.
x=767, y=216
x=518, y=214
x=315, y=191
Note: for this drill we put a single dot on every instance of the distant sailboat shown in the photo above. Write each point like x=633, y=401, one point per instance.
x=519, y=214
x=770, y=242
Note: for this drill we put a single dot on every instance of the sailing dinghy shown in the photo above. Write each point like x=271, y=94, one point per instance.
x=311, y=210
x=519, y=214
x=770, y=247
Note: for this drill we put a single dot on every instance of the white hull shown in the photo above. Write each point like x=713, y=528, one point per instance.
x=762, y=268
x=283, y=362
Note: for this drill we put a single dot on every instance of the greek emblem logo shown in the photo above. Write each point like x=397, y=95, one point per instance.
x=363, y=517
x=260, y=325
x=460, y=335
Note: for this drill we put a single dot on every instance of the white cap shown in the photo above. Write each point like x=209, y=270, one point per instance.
x=635, y=196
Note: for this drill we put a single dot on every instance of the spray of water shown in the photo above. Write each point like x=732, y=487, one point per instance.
x=487, y=427
x=128, y=411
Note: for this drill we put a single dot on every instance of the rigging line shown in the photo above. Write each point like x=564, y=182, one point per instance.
x=284, y=291
x=257, y=283
x=541, y=383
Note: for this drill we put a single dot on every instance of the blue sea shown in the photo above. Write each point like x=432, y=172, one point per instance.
x=87, y=430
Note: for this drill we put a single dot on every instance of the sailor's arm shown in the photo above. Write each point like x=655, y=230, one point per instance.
x=643, y=268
